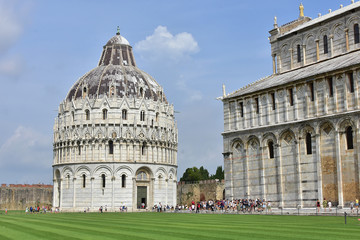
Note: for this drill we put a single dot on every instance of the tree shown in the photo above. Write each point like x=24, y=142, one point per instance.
x=219, y=174
x=195, y=174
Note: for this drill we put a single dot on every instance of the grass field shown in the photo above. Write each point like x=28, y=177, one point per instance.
x=17, y=225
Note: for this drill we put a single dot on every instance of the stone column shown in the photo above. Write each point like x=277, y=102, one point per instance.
x=318, y=167
x=339, y=168
x=92, y=192
x=55, y=193
x=61, y=190
x=246, y=163
x=151, y=193
x=345, y=92
x=231, y=176
x=113, y=193
x=276, y=112
x=298, y=170
x=347, y=38
x=304, y=54
x=332, y=45
x=356, y=90
x=317, y=50
x=174, y=192
x=335, y=102
x=262, y=172
x=316, y=110
x=268, y=106
x=286, y=104
x=291, y=58
x=274, y=63
x=134, y=195
x=74, y=193
x=296, y=107
x=279, y=174
x=279, y=63
x=166, y=190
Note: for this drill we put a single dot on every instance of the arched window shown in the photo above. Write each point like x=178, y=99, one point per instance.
x=84, y=92
x=160, y=182
x=87, y=114
x=142, y=116
x=103, y=180
x=157, y=117
x=308, y=144
x=143, y=149
x=83, y=180
x=73, y=116
x=124, y=114
x=111, y=147
x=271, y=149
x=79, y=147
x=105, y=111
x=141, y=92
x=331, y=88
x=123, y=181
x=349, y=138
x=351, y=82
x=326, y=49
x=356, y=33
x=141, y=176
x=298, y=53
x=67, y=181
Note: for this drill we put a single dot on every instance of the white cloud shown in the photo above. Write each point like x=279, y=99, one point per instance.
x=11, y=23
x=163, y=44
x=12, y=66
x=26, y=147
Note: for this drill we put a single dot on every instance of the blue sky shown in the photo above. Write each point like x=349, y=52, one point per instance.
x=190, y=47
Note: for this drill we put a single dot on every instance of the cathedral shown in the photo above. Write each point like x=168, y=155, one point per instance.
x=115, y=138
x=292, y=138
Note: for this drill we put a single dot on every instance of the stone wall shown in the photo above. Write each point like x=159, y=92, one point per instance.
x=200, y=191
x=18, y=196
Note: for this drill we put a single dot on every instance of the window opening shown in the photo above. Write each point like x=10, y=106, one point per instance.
x=111, y=147
x=257, y=105
x=271, y=149
x=308, y=144
x=84, y=180
x=298, y=53
x=291, y=97
x=331, y=88
x=349, y=138
x=124, y=114
x=312, y=95
x=241, y=109
x=73, y=116
x=142, y=116
x=356, y=33
x=79, y=148
x=351, y=82
x=105, y=111
x=103, y=180
x=87, y=114
x=143, y=149
x=326, y=49
x=68, y=181
x=157, y=117
x=123, y=181
x=273, y=101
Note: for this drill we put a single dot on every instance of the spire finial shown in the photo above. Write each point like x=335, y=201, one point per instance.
x=301, y=8
x=118, y=30
x=275, y=22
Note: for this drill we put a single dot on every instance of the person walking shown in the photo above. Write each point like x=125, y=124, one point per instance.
x=324, y=204
x=318, y=205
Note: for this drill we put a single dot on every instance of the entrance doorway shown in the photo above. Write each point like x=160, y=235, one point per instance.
x=141, y=197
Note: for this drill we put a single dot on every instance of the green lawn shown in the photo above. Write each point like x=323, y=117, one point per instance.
x=157, y=226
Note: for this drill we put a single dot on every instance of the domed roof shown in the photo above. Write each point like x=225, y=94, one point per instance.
x=116, y=76
x=118, y=39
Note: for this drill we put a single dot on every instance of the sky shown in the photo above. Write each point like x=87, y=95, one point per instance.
x=191, y=47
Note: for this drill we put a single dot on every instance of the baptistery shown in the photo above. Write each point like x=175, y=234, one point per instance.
x=115, y=138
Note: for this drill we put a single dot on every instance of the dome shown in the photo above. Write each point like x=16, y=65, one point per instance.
x=116, y=76
x=117, y=39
